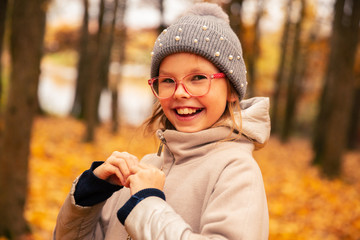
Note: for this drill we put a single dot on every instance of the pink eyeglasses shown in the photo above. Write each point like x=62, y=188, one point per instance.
x=195, y=84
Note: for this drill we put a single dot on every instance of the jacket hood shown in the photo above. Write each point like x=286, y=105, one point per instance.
x=255, y=118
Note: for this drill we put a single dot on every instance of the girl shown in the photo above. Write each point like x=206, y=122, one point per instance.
x=205, y=183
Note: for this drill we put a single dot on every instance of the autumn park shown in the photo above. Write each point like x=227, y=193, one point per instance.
x=73, y=89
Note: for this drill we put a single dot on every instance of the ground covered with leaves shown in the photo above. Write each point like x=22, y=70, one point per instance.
x=302, y=204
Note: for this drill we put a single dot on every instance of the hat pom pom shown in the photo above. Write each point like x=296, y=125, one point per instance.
x=208, y=9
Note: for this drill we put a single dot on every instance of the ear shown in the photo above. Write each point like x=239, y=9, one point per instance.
x=232, y=97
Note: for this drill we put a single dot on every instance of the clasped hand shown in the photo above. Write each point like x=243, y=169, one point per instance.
x=124, y=169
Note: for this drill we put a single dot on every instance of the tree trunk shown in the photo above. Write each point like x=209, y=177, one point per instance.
x=3, y=7
x=93, y=84
x=107, y=43
x=114, y=111
x=3, y=10
x=90, y=97
x=27, y=32
x=98, y=82
x=337, y=97
x=120, y=45
x=294, y=80
x=83, y=65
x=162, y=24
x=99, y=79
x=255, y=50
x=234, y=8
x=109, y=32
x=281, y=72
x=354, y=129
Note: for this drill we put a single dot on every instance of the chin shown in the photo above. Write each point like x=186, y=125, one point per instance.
x=188, y=129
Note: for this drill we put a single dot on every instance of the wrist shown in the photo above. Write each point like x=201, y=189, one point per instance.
x=91, y=190
x=135, y=199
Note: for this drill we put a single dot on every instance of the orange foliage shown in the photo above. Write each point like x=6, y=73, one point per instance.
x=64, y=37
x=59, y=156
x=302, y=205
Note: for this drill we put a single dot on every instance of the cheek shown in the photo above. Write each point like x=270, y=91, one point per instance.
x=219, y=92
x=165, y=105
x=217, y=99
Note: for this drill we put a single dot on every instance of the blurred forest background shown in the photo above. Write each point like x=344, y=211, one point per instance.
x=73, y=89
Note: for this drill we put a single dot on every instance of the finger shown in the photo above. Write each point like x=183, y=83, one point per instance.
x=138, y=167
x=128, y=181
x=110, y=173
x=120, y=163
x=129, y=158
x=125, y=155
x=134, y=169
x=116, y=154
x=120, y=176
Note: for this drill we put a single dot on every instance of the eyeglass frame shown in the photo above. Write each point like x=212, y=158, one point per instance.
x=209, y=76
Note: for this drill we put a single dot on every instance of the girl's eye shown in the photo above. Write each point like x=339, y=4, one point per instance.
x=166, y=80
x=198, y=77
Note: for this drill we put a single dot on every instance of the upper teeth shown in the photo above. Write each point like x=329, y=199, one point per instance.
x=185, y=110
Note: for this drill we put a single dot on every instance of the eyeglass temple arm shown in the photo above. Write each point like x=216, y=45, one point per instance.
x=218, y=75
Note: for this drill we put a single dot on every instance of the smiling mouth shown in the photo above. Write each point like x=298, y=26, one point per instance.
x=187, y=112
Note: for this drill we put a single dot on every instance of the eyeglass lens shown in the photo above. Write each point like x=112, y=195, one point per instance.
x=195, y=84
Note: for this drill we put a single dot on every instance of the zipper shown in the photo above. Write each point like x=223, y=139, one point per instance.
x=160, y=135
x=163, y=141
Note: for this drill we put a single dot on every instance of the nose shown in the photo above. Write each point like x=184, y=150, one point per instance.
x=180, y=91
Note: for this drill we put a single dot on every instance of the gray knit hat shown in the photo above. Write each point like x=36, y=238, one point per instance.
x=204, y=30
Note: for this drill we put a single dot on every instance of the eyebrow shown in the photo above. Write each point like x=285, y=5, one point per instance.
x=164, y=73
x=193, y=70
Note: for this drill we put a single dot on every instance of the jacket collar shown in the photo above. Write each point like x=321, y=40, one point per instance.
x=181, y=147
x=255, y=127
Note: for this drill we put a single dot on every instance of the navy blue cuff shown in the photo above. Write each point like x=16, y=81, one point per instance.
x=125, y=210
x=91, y=190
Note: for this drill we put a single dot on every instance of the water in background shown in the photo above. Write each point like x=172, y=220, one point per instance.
x=57, y=92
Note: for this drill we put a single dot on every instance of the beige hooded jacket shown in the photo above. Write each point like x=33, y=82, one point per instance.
x=214, y=190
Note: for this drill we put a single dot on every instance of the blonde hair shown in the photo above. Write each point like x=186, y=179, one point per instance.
x=232, y=111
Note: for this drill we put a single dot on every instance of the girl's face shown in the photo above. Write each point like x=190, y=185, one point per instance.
x=187, y=113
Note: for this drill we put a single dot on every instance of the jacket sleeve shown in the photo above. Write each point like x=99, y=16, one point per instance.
x=80, y=214
x=236, y=209
x=78, y=222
